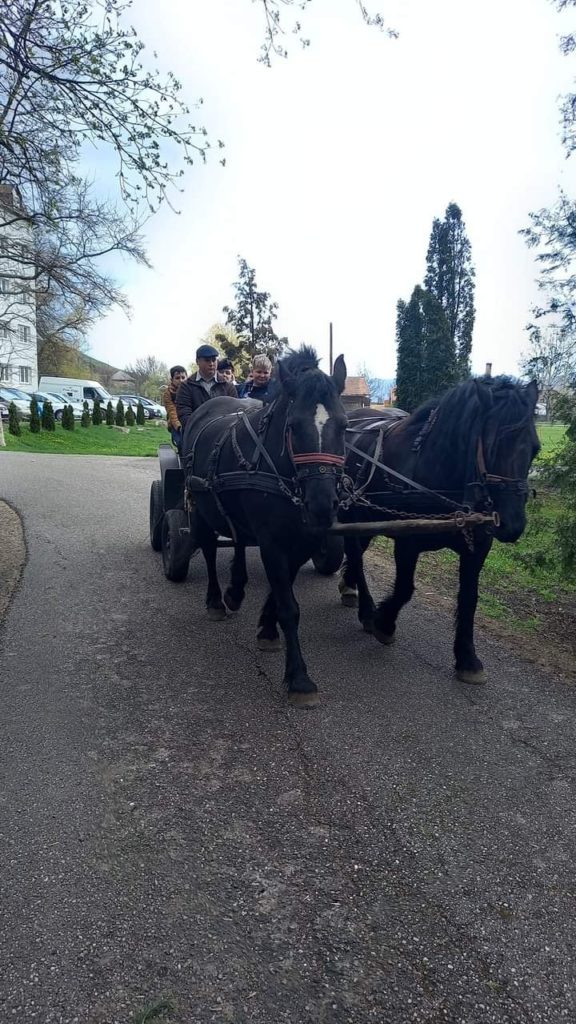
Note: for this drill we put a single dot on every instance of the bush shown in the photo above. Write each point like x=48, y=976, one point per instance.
x=13, y=420
x=130, y=417
x=35, y=426
x=97, y=413
x=85, y=418
x=559, y=471
x=140, y=417
x=48, y=421
x=109, y=415
x=68, y=418
x=120, y=417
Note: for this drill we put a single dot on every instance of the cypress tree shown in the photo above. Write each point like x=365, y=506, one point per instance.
x=120, y=417
x=35, y=426
x=109, y=415
x=97, y=413
x=439, y=368
x=450, y=278
x=130, y=417
x=85, y=418
x=68, y=418
x=410, y=342
x=13, y=420
x=48, y=421
x=140, y=418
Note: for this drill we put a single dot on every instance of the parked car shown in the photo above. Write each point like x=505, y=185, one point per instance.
x=75, y=390
x=61, y=400
x=20, y=398
x=4, y=412
x=57, y=404
x=152, y=410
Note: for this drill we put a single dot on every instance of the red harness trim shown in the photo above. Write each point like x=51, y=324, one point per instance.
x=312, y=458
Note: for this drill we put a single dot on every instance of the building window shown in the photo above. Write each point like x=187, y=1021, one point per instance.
x=24, y=333
x=4, y=332
x=5, y=285
x=25, y=375
x=5, y=372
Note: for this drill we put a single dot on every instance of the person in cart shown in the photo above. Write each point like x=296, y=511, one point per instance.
x=202, y=385
x=260, y=385
x=177, y=376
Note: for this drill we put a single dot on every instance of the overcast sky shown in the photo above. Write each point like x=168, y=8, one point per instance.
x=337, y=161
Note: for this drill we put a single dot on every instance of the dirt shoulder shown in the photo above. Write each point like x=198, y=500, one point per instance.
x=550, y=640
x=12, y=554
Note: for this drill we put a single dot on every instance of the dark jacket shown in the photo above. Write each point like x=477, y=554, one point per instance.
x=192, y=394
x=264, y=393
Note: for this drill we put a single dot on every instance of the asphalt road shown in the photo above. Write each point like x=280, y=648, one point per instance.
x=170, y=828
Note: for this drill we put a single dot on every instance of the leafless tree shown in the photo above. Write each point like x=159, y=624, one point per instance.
x=71, y=77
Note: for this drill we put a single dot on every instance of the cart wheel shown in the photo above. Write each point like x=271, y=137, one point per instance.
x=329, y=556
x=156, y=515
x=175, y=545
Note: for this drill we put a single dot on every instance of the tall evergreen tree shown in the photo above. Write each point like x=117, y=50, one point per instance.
x=440, y=369
x=450, y=279
x=109, y=415
x=410, y=341
x=253, y=316
x=97, y=413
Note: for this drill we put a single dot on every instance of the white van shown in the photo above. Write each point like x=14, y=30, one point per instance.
x=76, y=390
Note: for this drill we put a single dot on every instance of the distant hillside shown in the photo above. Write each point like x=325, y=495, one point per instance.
x=55, y=359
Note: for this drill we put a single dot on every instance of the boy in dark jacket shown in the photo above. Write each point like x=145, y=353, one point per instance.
x=260, y=385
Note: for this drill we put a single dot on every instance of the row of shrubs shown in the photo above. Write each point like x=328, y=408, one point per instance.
x=119, y=417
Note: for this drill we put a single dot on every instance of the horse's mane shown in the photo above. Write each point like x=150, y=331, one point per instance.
x=301, y=359
x=449, y=427
x=313, y=384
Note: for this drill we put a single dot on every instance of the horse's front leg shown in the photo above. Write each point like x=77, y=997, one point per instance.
x=236, y=589
x=469, y=668
x=405, y=557
x=208, y=541
x=281, y=571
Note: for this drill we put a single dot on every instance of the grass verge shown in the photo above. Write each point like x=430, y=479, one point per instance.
x=103, y=440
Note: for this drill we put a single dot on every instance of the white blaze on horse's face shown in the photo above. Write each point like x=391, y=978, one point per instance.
x=321, y=417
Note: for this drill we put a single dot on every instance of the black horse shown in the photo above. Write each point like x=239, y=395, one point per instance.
x=269, y=476
x=475, y=446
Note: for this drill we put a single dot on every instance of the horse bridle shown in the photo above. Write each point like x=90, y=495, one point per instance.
x=310, y=464
x=498, y=480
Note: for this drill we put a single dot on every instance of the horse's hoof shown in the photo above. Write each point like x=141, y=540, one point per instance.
x=466, y=675
x=216, y=614
x=349, y=598
x=231, y=605
x=383, y=638
x=304, y=700
x=368, y=626
x=264, y=643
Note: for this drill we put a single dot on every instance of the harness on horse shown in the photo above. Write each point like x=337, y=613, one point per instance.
x=250, y=474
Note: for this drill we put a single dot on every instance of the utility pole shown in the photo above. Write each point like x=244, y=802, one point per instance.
x=488, y=372
x=331, y=357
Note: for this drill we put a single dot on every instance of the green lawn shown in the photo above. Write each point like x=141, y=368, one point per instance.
x=550, y=435
x=89, y=440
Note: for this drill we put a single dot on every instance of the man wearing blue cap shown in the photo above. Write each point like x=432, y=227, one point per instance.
x=201, y=386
